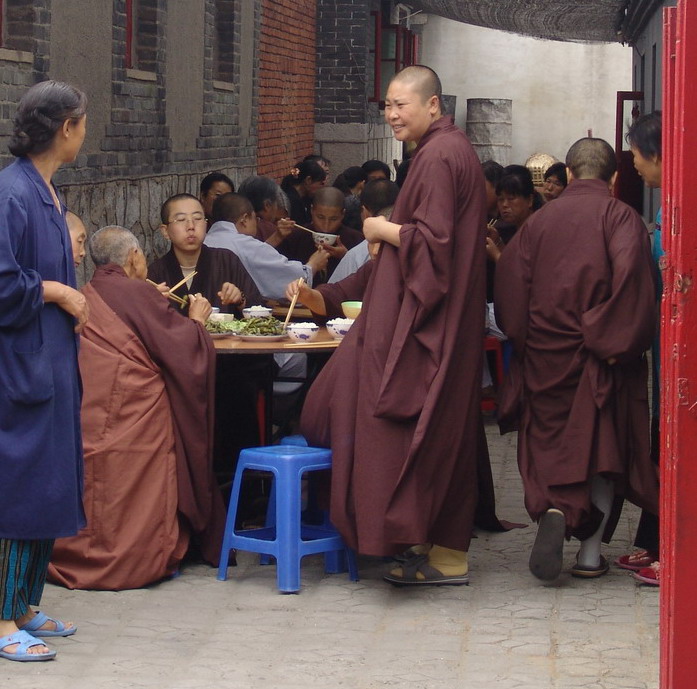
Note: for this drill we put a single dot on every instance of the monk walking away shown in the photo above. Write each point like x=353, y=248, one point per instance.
x=398, y=402
x=575, y=293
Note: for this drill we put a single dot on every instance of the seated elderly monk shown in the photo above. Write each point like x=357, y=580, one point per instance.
x=269, y=202
x=220, y=275
x=147, y=417
x=327, y=217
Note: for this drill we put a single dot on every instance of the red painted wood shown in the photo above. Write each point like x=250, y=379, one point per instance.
x=679, y=351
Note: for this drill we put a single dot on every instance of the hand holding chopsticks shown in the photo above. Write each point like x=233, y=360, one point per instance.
x=301, y=282
x=167, y=293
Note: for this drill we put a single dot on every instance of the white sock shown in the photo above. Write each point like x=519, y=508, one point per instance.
x=602, y=495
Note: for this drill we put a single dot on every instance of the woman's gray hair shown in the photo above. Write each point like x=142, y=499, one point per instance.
x=41, y=113
x=112, y=244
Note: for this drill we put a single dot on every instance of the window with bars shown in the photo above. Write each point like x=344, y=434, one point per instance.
x=394, y=47
x=224, y=40
x=17, y=19
x=141, y=35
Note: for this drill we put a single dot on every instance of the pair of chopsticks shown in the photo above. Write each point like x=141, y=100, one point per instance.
x=181, y=282
x=301, y=282
x=300, y=227
x=171, y=296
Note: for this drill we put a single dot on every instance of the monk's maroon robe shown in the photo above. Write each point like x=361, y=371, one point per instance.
x=184, y=353
x=352, y=288
x=398, y=402
x=213, y=268
x=574, y=289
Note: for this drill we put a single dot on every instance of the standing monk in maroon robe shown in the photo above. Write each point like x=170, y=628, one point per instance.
x=398, y=402
x=575, y=294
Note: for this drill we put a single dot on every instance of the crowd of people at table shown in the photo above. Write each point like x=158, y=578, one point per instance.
x=563, y=272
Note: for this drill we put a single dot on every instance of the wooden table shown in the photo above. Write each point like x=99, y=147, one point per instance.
x=323, y=344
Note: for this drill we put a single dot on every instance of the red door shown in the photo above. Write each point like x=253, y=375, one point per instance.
x=679, y=350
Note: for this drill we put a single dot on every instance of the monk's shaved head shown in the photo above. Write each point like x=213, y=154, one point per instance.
x=423, y=80
x=231, y=207
x=330, y=197
x=591, y=158
x=112, y=244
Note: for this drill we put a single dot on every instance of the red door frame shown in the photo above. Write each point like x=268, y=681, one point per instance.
x=678, y=610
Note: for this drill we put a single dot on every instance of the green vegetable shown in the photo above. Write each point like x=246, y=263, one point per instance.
x=261, y=326
x=250, y=326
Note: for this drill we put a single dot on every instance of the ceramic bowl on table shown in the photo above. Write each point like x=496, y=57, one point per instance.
x=339, y=327
x=302, y=332
x=324, y=238
x=351, y=309
x=256, y=312
x=221, y=317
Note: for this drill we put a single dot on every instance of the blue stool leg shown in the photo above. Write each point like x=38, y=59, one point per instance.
x=334, y=561
x=265, y=558
x=352, y=566
x=230, y=523
x=288, y=530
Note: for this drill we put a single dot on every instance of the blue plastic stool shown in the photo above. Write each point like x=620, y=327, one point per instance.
x=286, y=539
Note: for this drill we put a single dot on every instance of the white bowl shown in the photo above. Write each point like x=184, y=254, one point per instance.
x=324, y=238
x=221, y=317
x=256, y=312
x=339, y=327
x=302, y=332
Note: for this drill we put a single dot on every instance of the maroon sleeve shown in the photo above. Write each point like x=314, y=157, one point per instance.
x=351, y=288
x=623, y=326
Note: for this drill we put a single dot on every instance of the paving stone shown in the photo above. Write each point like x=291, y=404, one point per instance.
x=505, y=630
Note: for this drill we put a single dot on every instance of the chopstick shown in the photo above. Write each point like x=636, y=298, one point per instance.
x=292, y=303
x=181, y=282
x=304, y=228
x=173, y=297
x=310, y=345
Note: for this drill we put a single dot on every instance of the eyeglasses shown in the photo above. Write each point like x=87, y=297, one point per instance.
x=554, y=182
x=183, y=220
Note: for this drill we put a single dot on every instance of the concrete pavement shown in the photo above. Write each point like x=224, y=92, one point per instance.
x=505, y=630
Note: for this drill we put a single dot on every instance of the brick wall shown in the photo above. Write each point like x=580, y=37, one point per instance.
x=342, y=60
x=286, y=84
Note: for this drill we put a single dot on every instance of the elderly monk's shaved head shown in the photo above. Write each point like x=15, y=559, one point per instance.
x=331, y=197
x=423, y=80
x=112, y=244
x=591, y=158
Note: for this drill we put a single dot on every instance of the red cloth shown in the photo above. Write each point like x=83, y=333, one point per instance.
x=398, y=402
x=574, y=288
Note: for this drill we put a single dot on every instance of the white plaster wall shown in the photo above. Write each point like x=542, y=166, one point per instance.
x=559, y=90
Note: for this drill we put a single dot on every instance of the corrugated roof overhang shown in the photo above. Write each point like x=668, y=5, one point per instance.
x=562, y=20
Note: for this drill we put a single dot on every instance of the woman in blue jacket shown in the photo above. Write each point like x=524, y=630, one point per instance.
x=40, y=314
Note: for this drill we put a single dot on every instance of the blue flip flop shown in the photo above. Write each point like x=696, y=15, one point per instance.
x=39, y=620
x=21, y=654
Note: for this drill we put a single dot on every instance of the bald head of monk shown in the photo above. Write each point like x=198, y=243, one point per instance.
x=327, y=210
x=236, y=209
x=117, y=245
x=591, y=158
x=413, y=102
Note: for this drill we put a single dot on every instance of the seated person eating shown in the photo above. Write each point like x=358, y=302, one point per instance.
x=147, y=410
x=216, y=273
